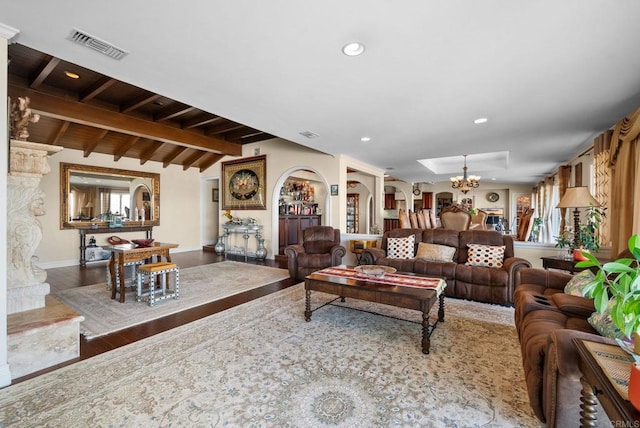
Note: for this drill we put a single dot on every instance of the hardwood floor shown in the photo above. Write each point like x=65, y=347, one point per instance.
x=69, y=277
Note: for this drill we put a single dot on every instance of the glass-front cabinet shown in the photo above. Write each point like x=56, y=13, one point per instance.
x=353, y=215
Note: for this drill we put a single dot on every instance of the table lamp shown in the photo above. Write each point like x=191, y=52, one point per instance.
x=577, y=197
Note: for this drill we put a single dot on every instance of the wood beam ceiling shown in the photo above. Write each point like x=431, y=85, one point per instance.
x=76, y=112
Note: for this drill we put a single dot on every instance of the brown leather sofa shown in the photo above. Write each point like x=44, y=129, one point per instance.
x=483, y=284
x=547, y=320
x=319, y=247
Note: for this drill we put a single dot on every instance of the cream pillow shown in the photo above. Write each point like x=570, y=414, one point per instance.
x=401, y=248
x=435, y=252
x=490, y=256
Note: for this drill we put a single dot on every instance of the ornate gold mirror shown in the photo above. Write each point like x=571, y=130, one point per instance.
x=100, y=196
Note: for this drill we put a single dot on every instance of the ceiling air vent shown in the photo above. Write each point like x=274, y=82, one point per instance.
x=106, y=48
x=309, y=134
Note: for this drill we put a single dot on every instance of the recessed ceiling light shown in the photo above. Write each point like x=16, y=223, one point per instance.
x=480, y=120
x=71, y=75
x=365, y=139
x=493, y=179
x=353, y=49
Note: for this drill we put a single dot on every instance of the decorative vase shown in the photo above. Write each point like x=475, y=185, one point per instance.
x=578, y=256
x=634, y=386
x=261, y=251
x=219, y=247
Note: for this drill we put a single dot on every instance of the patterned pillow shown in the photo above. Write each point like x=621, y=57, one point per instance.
x=577, y=283
x=435, y=252
x=401, y=248
x=485, y=255
x=604, y=324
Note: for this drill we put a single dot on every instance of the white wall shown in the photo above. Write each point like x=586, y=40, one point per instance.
x=179, y=208
x=283, y=158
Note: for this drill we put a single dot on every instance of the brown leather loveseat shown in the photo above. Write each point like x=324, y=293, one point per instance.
x=479, y=283
x=547, y=320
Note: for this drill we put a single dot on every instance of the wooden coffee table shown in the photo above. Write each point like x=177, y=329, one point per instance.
x=344, y=282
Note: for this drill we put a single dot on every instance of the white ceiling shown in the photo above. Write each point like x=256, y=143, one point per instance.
x=549, y=75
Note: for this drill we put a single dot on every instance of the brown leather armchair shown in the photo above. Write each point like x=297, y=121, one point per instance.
x=318, y=247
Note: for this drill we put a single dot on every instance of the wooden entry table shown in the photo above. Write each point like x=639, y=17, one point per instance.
x=406, y=290
x=126, y=253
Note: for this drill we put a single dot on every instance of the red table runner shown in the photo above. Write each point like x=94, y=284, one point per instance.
x=389, y=278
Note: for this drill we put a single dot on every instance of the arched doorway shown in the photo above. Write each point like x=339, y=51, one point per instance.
x=292, y=207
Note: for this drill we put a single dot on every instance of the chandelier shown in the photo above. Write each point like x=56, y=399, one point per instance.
x=465, y=183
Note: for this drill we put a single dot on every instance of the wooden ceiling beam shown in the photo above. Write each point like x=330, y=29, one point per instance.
x=142, y=101
x=77, y=112
x=256, y=137
x=146, y=155
x=173, y=113
x=172, y=156
x=239, y=133
x=213, y=158
x=91, y=146
x=44, y=72
x=61, y=131
x=96, y=89
x=223, y=127
x=199, y=121
x=188, y=163
x=125, y=147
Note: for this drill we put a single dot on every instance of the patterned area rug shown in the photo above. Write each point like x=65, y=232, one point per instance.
x=198, y=285
x=260, y=364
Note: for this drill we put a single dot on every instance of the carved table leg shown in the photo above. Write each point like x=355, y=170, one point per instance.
x=307, y=307
x=588, y=406
x=426, y=342
x=441, y=308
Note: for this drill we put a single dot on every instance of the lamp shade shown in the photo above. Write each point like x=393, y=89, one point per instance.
x=577, y=197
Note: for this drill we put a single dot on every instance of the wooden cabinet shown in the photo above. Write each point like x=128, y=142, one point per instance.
x=353, y=214
x=289, y=225
x=427, y=200
x=389, y=201
x=390, y=224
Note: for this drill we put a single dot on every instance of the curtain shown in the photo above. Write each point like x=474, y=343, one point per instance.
x=623, y=158
x=545, y=208
x=105, y=199
x=601, y=146
x=564, y=175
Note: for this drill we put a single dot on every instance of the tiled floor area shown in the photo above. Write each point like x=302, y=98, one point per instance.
x=69, y=277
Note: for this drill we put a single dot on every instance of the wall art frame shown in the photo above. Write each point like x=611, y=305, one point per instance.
x=244, y=184
x=334, y=190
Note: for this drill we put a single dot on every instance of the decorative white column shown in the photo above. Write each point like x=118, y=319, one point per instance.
x=28, y=162
x=6, y=34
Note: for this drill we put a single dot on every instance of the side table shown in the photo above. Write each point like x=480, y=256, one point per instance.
x=559, y=262
x=358, y=246
x=605, y=374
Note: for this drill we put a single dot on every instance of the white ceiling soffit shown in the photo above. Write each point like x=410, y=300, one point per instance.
x=476, y=163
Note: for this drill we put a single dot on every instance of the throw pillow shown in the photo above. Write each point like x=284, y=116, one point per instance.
x=435, y=252
x=490, y=256
x=604, y=324
x=401, y=248
x=577, y=283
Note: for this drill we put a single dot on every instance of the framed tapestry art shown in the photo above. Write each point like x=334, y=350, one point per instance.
x=243, y=184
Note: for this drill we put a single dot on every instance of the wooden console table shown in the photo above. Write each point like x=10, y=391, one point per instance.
x=598, y=362
x=111, y=230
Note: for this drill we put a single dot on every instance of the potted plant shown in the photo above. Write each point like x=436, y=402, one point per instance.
x=587, y=235
x=616, y=289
